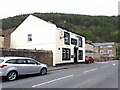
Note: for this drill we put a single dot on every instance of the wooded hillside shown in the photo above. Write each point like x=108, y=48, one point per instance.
x=95, y=28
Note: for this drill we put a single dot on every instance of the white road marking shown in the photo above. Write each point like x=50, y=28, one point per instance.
x=104, y=66
x=114, y=64
x=90, y=70
x=52, y=81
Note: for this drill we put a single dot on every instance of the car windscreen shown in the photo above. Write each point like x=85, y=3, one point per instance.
x=1, y=60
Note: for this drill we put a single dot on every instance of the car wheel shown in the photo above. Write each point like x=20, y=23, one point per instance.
x=43, y=71
x=12, y=75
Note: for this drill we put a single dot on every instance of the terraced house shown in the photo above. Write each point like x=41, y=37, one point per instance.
x=106, y=49
x=35, y=33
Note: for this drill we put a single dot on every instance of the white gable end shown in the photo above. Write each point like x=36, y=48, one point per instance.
x=42, y=33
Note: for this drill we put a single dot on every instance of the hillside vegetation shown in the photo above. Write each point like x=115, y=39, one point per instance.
x=95, y=28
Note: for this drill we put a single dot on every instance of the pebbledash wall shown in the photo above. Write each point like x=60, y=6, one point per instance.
x=42, y=56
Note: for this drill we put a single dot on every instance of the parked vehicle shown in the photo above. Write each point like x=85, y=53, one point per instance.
x=89, y=59
x=12, y=67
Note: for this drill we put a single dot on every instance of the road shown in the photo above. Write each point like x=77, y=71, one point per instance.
x=96, y=75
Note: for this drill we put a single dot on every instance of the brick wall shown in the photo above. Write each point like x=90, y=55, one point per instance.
x=45, y=57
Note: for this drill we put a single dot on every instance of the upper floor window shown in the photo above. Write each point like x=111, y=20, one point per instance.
x=80, y=41
x=29, y=37
x=73, y=41
x=66, y=38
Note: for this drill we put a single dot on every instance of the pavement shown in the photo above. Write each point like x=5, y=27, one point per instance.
x=65, y=66
x=72, y=65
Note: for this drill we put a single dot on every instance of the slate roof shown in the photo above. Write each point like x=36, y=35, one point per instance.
x=104, y=44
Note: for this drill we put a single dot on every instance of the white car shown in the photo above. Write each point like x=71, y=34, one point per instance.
x=12, y=67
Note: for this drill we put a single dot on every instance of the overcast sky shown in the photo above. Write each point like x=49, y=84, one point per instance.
x=85, y=7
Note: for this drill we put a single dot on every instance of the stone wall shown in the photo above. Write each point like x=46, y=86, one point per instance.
x=1, y=41
x=102, y=59
x=45, y=57
x=6, y=34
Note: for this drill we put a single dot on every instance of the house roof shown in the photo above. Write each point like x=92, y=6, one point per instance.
x=104, y=44
x=58, y=26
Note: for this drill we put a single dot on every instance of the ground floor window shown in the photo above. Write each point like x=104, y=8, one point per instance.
x=66, y=54
x=80, y=55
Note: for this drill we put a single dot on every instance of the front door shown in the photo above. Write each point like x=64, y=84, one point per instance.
x=75, y=54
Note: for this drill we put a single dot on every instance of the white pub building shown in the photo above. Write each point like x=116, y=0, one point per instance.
x=35, y=33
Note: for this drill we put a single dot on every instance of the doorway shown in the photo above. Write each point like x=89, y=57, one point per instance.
x=75, y=54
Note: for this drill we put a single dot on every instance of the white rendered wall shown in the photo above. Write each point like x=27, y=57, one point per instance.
x=60, y=44
x=43, y=35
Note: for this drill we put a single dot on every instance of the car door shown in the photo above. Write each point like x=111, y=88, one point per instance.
x=34, y=67
x=22, y=66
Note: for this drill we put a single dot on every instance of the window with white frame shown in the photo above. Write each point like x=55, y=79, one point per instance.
x=66, y=38
x=80, y=41
x=73, y=41
x=66, y=54
x=109, y=51
x=80, y=55
x=29, y=39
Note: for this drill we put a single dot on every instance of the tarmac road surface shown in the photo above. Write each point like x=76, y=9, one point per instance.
x=95, y=75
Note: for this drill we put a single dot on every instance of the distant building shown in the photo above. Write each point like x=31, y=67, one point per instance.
x=89, y=48
x=107, y=49
x=35, y=33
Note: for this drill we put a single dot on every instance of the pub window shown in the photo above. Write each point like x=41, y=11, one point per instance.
x=29, y=37
x=80, y=55
x=66, y=54
x=80, y=42
x=66, y=38
x=73, y=41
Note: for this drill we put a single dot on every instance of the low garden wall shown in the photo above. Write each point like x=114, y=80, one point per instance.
x=42, y=56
